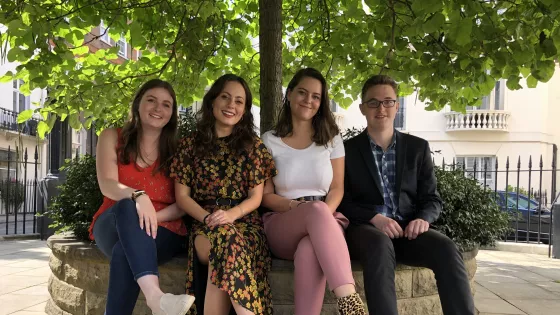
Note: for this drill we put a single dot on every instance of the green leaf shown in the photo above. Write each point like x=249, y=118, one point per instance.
x=548, y=48
x=74, y=121
x=17, y=28
x=464, y=63
x=14, y=54
x=513, y=83
x=9, y=76
x=24, y=116
x=532, y=82
x=42, y=129
x=543, y=70
x=51, y=121
x=525, y=71
x=418, y=7
x=464, y=31
x=81, y=50
x=136, y=38
x=434, y=24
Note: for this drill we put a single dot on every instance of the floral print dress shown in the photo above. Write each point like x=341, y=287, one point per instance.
x=239, y=253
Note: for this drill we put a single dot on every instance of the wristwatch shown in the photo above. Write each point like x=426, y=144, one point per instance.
x=136, y=194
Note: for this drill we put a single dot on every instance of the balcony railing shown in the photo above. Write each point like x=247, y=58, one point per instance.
x=487, y=120
x=8, y=121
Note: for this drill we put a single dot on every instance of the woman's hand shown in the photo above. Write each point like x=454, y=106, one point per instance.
x=220, y=217
x=147, y=215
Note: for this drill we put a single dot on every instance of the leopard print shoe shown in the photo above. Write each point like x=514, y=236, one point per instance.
x=351, y=305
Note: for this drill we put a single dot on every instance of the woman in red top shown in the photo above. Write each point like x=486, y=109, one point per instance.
x=133, y=227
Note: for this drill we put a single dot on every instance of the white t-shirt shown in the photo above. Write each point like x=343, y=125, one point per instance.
x=305, y=172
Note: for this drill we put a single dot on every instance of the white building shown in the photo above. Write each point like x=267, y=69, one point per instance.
x=521, y=125
x=23, y=136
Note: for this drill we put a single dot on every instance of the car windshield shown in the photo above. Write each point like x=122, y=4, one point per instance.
x=523, y=202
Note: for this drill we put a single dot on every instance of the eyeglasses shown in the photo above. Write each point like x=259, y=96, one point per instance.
x=373, y=103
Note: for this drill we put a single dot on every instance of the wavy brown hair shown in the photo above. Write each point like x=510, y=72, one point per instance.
x=324, y=125
x=243, y=135
x=131, y=133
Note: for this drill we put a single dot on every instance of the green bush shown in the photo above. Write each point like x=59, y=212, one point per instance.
x=187, y=123
x=12, y=193
x=79, y=198
x=470, y=217
x=351, y=133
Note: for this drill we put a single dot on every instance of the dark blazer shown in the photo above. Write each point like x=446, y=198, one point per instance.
x=415, y=181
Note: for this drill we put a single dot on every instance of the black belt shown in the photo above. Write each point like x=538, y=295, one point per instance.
x=220, y=202
x=311, y=198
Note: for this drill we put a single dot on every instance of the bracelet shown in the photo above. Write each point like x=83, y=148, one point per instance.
x=300, y=203
x=242, y=212
x=205, y=217
x=136, y=194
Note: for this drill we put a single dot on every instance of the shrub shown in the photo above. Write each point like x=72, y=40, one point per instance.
x=351, y=133
x=78, y=199
x=187, y=123
x=470, y=217
x=12, y=193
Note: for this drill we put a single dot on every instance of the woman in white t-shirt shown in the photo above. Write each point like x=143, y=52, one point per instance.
x=303, y=225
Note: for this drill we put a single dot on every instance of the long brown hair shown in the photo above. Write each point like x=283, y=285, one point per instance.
x=324, y=125
x=243, y=135
x=129, y=147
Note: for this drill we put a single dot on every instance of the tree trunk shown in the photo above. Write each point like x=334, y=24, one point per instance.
x=270, y=42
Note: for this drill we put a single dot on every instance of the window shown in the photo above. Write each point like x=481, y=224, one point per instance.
x=104, y=33
x=469, y=163
x=121, y=43
x=400, y=118
x=20, y=102
x=494, y=101
x=334, y=106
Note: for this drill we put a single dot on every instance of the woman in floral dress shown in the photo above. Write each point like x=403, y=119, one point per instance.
x=220, y=172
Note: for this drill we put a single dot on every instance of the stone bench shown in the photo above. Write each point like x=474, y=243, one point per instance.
x=80, y=274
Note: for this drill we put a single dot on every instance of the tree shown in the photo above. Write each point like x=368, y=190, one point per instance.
x=451, y=51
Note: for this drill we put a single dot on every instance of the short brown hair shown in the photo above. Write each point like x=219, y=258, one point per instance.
x=379, y=79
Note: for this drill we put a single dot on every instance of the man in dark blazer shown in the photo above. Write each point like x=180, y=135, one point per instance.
x=391, y=199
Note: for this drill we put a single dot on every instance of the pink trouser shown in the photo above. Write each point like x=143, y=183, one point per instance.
x=313, y=238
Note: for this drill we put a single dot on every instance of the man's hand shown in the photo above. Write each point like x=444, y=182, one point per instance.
x=387, y=226
x=415, y=228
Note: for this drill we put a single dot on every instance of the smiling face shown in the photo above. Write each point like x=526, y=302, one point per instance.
x=380, y=118
x=156, y=108
x=229, y=106
x=305, y=98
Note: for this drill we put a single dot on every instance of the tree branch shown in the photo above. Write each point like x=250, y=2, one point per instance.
x=392, y=44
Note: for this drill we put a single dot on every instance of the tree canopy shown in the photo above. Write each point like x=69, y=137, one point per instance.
x=451, y=51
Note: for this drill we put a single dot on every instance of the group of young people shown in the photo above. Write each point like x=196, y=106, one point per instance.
x=232, y=201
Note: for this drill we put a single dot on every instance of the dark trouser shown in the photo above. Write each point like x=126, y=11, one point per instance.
x=132, y=252
x=379, y=255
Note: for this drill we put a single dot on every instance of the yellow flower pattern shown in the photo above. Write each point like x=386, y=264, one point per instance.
x=239, y=255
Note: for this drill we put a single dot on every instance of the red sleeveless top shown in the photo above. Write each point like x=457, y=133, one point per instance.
x=159, y=187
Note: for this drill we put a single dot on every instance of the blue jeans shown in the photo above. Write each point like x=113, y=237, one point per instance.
x=132, y=253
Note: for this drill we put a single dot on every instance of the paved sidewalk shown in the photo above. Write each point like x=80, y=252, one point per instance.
x=516, y=283
x=507, y=283
x=24, y=272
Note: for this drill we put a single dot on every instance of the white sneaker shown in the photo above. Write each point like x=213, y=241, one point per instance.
x=175, y=304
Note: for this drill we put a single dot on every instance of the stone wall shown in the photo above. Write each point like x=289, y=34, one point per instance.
x=80, y=272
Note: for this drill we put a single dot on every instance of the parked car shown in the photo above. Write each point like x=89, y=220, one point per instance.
x=525, y=212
